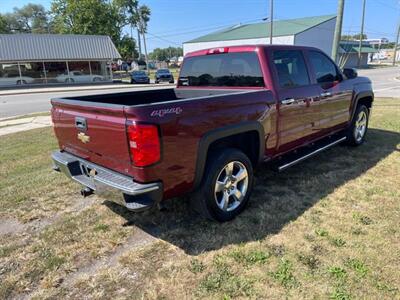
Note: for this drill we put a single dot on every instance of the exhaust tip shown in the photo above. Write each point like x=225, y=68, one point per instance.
x=85, y=192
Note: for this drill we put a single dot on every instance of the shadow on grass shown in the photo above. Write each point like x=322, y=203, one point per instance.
x=277, y=199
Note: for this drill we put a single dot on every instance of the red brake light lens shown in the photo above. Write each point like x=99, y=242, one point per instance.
x=144, y=144
x=218, y=50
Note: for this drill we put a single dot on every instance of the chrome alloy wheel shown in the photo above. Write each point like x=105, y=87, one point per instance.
x=361, y=126
x=231, y=186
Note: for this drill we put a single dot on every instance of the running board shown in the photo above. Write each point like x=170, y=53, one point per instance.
x=296, y=161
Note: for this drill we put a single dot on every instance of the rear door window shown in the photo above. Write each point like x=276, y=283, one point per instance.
x=291, y=68
x=226, y=69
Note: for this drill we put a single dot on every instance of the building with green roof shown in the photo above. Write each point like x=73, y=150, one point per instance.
x=314, y=31
x=349, y=53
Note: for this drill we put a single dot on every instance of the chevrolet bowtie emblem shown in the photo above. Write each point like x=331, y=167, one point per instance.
x=83, y=137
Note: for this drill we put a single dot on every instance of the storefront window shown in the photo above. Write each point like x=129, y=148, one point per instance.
x=33, y=72
x=56, y=72
x=18, y=73
x=100, y=68
x=79, y=71
x=9, y=74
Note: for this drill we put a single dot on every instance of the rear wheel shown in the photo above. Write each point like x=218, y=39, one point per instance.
x=358, y=127
x=227, y=186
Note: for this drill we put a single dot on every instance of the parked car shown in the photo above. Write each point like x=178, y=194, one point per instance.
x=163, y=75
x=139, y=77
x=16, y=80
x=232, y=109
x=78, y=76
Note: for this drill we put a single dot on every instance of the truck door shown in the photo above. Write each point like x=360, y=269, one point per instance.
x=295, y=93
x=333, y=109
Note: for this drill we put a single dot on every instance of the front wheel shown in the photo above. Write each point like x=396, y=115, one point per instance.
x=226, y=186
x=358, y=127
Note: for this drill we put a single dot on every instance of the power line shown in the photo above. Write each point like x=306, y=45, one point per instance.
x=227, y=23
x=207, y=28
x=165, y=40
x=387, y=5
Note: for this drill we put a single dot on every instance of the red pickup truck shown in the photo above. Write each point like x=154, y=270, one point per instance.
x=233, y=108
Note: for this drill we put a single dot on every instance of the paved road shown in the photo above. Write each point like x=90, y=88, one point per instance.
x=384, y=82
x=16, y=105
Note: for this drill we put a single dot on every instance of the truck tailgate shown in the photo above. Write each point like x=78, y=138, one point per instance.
x=94, y=133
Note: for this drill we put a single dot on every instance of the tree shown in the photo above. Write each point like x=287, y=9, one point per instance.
x=3, y=25
x=143, y=17
x=355, y=37
x=101, y=17
x=87, y=17
x=165, y=54
x=136, y=17
x=127, y=47
x=31, y=18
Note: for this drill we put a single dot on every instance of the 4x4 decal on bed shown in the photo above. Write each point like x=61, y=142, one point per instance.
x=166, y=111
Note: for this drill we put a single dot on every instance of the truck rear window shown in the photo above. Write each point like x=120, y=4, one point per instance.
x=240, y=69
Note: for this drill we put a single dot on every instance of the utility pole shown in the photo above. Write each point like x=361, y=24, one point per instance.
x=361, y=35
x=338, y=30
x=145, y=53
x=133, y=41
x=271, y=16
x=139, y=44
x=396, y=44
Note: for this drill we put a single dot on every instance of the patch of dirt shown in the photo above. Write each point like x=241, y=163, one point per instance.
x=138, y=239
x=10, y=226
x=13, y=226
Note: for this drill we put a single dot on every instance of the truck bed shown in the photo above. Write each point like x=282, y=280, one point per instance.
x=102, y=120
x=136, y=98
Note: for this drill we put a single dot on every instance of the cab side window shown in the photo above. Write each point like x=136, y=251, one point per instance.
x=291, y=68
x=324, y=69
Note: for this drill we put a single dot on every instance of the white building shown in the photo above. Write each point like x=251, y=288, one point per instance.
x=312, y=31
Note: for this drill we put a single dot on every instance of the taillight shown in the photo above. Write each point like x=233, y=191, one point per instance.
x=144, y=144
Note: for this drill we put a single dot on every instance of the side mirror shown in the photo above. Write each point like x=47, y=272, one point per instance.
x=350, y=73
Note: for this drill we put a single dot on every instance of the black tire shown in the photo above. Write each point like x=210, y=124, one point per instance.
x=356, y=137
x=156, y=82
x=133, y=81
x=205, y=199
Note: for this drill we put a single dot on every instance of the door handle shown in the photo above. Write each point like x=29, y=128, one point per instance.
x=80, y=123
x=288, y=101
x=326, y=94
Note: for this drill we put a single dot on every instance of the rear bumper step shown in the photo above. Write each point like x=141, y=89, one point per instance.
x=112, y=185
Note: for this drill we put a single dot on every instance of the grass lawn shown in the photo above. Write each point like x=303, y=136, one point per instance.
x=326, y=228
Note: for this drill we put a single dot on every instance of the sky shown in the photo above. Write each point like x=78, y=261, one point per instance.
x=176, y=21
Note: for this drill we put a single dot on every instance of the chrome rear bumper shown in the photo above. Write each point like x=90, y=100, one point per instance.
x=122, y=189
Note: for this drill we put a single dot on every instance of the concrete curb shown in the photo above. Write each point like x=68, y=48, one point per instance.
x=14, y=126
